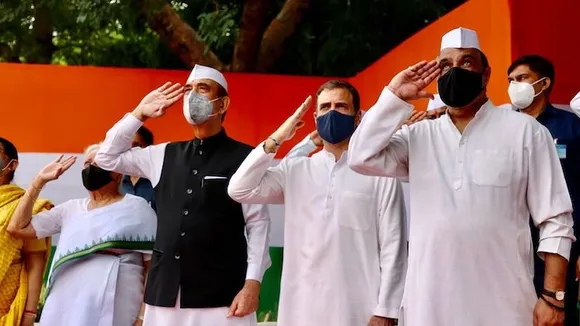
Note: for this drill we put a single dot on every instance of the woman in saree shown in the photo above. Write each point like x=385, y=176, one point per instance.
x=22, y=262
x=97, y=277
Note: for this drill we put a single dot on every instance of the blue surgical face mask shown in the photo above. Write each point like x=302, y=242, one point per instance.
x=335, y=127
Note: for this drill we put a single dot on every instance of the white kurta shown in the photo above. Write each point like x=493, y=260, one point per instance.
x=472, y=194
x=116, y=154
x=344, y=237
x=575, y=104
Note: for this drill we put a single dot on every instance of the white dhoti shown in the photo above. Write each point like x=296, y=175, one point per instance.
x=98, y=290
x=161, y=316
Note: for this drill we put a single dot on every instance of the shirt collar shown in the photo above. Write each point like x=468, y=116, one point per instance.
x=548, y=112
x=328, y=158
x=212, y=141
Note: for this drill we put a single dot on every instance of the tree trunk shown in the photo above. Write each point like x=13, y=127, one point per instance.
x=248, y=42
x=280, y=29
x=42, y=34
x=178, y=35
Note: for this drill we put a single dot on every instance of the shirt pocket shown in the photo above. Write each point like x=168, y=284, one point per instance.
x=215, y=190
x=492, y=168
x=354, y=210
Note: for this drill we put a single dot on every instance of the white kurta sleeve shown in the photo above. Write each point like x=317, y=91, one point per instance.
x=256, y=182
x=258, y=233
x=376, y=147
x=116, y=154
x=575, y=104
x=548, y=198
x=392, y=248
x=48, y=223
x=304, y=148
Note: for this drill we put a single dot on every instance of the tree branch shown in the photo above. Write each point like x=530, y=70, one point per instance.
x=42, y=29
x=178, y=35
x=248, y=42
x=280, y=29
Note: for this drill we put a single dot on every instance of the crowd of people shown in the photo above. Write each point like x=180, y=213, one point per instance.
x=178, y=233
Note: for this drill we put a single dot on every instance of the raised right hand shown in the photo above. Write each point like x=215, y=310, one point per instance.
x=288, y=128
x=56, y=168
x=410, y=83
x=315, y=138
x=154, y=104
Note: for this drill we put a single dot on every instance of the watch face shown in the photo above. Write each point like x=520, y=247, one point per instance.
x=560, y=295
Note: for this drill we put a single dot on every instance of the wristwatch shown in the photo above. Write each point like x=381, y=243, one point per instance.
x=558, y=295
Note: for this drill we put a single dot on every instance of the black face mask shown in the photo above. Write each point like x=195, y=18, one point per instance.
x=95, y=178
x=459, y=87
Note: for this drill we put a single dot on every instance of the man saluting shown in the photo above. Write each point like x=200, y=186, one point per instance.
x=476, y=175
x=203, y=271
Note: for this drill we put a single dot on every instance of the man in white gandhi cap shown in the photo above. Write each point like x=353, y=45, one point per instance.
x=476, y=176
x=204, y=270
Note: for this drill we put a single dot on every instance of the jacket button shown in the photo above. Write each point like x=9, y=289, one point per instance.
x=200, y=152
x=194, y=171
x=189, y=191
x=177, y=256
x=182, y=234
x=185, y=212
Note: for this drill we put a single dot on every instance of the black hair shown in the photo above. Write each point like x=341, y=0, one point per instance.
x=537, y=64
x=146, y=135
x=11, y=152
x=334, y=84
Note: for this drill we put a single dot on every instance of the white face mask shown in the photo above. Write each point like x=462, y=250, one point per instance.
x=523, y=94
x=197, y=108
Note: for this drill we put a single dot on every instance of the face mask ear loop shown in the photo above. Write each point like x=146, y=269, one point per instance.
x=537, y=81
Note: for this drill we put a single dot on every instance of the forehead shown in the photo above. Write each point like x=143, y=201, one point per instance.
x=203, y=81
x=451, y=54
x=334, y=95
x=522, y=70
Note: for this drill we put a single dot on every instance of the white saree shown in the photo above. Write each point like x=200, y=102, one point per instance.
x=97, y=273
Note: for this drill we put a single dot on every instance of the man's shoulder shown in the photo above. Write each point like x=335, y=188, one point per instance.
x=237, y=147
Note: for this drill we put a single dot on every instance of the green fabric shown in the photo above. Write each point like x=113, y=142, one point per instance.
x=270, y=292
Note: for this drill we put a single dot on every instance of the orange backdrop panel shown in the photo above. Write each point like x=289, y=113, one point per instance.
x=550, y=29
x=490, y=18
x=49, y=108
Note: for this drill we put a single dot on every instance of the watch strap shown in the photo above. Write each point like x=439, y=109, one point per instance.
x=551, y=294
x=551, y=304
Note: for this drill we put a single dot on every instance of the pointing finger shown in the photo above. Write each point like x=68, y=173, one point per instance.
x=431, y=77
x=164, y=86
x=171, y=89
x=176, y=93
x=425, y=69
x=303, y=108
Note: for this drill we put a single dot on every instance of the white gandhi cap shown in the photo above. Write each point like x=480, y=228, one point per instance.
x=203, y=72
x=460, y=38
x=435, y=103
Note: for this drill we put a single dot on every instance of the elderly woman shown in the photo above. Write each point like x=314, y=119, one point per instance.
x=22, y=263
x=99, y=266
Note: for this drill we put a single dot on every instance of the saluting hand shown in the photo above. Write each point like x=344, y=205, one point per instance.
x=415, y=116
x=288, y=129
x=315, y=138
x=56, y=168
x=154, y=104
x=410, y=83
